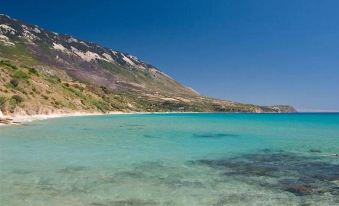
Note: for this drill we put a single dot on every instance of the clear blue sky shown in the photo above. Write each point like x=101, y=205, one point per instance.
x=256, y=51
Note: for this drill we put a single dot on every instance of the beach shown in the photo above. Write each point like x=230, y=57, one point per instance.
x=19, y=119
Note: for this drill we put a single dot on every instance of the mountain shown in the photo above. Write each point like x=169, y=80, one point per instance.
x=45, y=72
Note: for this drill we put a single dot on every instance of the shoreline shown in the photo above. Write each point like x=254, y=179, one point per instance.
x=20, y=119
x=7, y=120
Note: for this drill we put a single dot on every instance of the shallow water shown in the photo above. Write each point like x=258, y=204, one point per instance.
x=172, y=159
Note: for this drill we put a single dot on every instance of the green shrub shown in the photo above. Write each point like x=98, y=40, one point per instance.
x=20, y=75
x=53, y=79
x=101, y=105
x=33, y=71
x=14, y=82
x=18, y=99
x=8, y=64
x=104, y=89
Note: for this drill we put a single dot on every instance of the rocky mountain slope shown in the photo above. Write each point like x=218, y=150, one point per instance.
x=45, y=72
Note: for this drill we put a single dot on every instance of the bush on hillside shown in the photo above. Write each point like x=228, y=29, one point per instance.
x=14, y=82
x=18, y=99
x=2, y=101
x=33, y=71
x=20, y=75
x=6, y=63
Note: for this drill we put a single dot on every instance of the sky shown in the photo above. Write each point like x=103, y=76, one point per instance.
x=263, y=52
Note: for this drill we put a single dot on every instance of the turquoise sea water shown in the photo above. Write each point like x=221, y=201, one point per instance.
x=172, y=159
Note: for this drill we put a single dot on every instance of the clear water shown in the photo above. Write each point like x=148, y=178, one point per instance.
x=172, y=159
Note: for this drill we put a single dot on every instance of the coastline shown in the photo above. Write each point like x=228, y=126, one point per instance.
x=17, y=119
x=20, y=119
x=7, y=120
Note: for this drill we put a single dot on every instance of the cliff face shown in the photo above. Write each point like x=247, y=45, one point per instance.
x=42, y=71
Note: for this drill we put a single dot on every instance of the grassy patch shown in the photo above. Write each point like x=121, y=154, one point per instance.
x=19, y=74
x=2, y=102
x=33, y=71
x=18, y=51
x=7, y=64
x=53, y=79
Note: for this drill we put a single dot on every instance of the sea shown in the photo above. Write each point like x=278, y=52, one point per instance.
x=179, y=159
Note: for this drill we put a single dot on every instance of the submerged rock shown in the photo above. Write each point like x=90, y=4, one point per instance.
x=297, y=174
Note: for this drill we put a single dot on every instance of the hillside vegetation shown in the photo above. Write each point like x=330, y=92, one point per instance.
x=27, y=90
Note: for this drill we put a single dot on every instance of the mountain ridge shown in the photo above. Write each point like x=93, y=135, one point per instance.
x=86, y=74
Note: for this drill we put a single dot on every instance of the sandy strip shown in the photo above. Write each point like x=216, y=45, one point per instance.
x=19, y=119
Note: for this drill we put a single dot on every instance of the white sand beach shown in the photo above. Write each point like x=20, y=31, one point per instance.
x=19, y=119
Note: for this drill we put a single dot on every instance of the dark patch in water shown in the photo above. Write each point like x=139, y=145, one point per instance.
x=73, y=169
x=132, y=125
x=97, y=204
x=297, y=174
x=149, y=165
x=47, y=188
x=129, y=174
x=156, y=173
x=28, y=125
x=21, y=172
x=214, y=135
x=128, y=202
x=159, y=173
x=135, y=128
x=306, y=186
x=266, y=150
x=315, y=150
x=235, y=199
x=135, y=125
x=46, y=185
x=149, y=136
